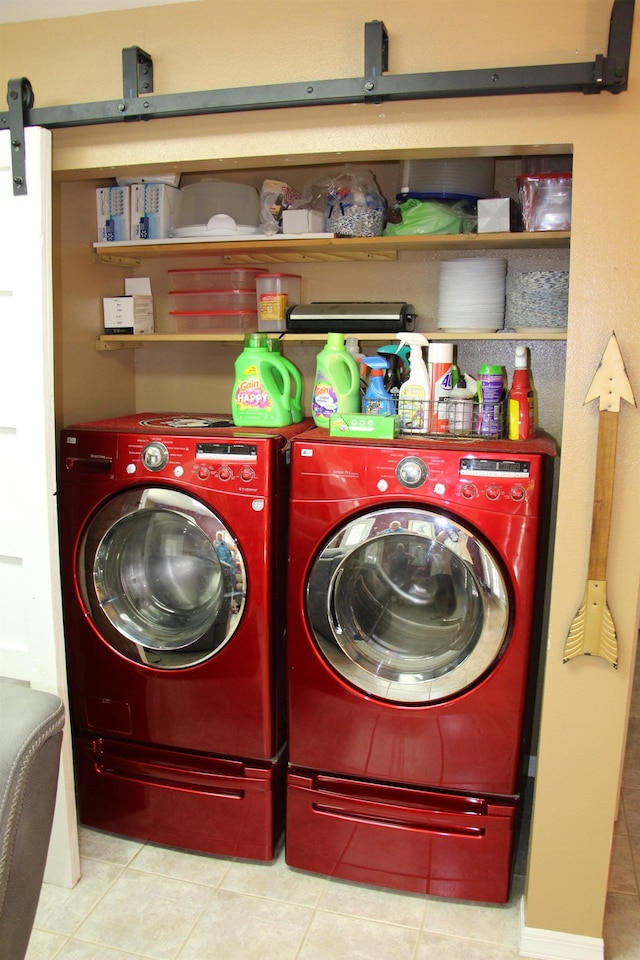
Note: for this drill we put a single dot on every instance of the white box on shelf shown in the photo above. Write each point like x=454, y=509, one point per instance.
x=152, y=210
x=128, y=314
x=113, y=209
x=495, y=216
x=302, y=221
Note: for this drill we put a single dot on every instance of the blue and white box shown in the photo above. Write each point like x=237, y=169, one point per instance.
x=153, y=208
x=113, y=213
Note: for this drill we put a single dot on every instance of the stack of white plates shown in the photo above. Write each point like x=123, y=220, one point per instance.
x=472, y=294
x=537, y=298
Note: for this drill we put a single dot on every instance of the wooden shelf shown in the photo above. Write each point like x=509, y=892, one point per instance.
x=133, y=341
x=281, y=249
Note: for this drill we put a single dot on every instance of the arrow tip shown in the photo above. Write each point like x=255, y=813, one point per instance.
x=610, y=384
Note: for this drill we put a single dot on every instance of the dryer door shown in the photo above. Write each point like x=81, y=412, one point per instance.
x=408, y=605
x=162, y=579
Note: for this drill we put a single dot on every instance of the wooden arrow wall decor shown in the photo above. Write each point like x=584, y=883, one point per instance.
x=593, y=632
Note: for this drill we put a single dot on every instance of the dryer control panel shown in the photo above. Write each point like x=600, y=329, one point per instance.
x=450, y=477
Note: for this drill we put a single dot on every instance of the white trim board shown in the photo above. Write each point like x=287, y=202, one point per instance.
x=556, y=945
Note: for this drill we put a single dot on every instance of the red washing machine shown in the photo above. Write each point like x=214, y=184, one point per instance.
x=412, y=585
x=173, y=530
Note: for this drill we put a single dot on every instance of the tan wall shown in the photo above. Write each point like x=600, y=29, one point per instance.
x=195, y=46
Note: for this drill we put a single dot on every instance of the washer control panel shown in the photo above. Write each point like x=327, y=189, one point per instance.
x=214, y=464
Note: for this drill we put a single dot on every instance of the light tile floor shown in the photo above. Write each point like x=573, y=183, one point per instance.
x=142, y=901
x=139, y=901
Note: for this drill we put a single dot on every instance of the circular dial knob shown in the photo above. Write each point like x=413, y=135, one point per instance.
x=155, y=456
x=412, y=472
x=468, y=491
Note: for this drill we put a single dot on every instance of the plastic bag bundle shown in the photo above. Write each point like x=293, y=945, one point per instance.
x=354, y=207
x=275, y=197
x=424, y=217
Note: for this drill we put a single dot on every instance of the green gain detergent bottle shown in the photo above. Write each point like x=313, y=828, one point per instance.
x=337, y=383
x=296, y=380
x=262, y=390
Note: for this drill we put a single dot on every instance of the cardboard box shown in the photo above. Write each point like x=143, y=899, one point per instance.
x=113, y=209
x=497, y=216
x=128, y=314
x=153, y=207
x=364, y=425
x=302, y=221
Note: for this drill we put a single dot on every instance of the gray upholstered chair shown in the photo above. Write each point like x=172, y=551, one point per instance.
x=31, y=725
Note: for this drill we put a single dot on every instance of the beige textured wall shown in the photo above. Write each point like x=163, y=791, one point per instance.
x=214, y=44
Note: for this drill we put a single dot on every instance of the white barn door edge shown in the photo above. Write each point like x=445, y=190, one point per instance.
x=31, y=633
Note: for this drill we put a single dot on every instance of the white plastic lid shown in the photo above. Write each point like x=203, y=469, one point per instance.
x=440, y=352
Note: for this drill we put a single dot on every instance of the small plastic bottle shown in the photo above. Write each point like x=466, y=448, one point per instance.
x=522, y=400
x=491, y=394
x=461, y=407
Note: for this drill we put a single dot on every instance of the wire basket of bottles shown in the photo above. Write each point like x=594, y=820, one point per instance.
x=451, y=418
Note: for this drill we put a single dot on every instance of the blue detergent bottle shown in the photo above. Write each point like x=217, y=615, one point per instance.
x=376, y=398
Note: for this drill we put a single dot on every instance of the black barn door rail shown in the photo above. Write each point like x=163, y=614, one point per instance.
x=608, y=72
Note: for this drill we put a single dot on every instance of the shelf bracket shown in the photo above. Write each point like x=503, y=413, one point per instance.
x=608, y=73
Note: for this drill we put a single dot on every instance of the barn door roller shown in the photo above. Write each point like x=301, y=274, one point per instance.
x=608, y=72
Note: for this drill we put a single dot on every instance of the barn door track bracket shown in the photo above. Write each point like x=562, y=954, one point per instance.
x=605, y=73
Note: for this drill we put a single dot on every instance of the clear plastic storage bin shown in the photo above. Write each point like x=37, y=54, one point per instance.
x=215, y=278
x=212, y=301
x=233, y=321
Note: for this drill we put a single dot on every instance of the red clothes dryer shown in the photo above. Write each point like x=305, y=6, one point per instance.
x=172, y=531
x=412, y=575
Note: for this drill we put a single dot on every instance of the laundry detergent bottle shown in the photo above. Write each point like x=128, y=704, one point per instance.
x=296, y=379
x=336, y=387
x=262, y=390
x=415, y=393
x=376, y=398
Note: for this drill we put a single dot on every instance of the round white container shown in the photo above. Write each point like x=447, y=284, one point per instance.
x=275, y=293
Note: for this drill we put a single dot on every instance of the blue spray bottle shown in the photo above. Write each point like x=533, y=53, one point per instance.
x=376, y=399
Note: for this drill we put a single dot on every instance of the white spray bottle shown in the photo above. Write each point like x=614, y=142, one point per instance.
x=415, y=393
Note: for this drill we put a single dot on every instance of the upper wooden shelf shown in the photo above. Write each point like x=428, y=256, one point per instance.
x=132, y=341
x=284, y=249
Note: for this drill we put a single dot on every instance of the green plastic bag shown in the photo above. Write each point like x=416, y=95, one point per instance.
x=428, y=217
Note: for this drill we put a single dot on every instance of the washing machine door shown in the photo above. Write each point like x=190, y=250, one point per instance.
x=408, y=605
x=161, y=577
